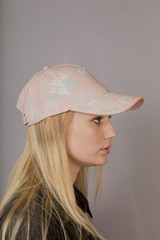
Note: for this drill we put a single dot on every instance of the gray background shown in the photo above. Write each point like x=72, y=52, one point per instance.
x=118, y=42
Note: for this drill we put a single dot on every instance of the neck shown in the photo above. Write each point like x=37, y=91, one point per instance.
x=74, y=171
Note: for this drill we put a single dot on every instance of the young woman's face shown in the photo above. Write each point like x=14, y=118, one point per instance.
x=86, y=136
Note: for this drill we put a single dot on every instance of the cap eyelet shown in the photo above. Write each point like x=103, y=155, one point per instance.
x=24, y=120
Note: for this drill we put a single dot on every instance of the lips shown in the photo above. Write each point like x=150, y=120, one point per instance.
x=106, y=147
x=106, y=150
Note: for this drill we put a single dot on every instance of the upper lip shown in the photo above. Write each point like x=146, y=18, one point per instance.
x=107, y=147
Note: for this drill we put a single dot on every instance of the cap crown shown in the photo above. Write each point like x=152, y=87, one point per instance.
x=57, y=89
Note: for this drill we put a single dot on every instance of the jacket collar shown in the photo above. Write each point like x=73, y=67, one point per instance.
x=82, y=202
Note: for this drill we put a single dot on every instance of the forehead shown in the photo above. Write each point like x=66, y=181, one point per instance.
x=84, y=115
x=79, y=115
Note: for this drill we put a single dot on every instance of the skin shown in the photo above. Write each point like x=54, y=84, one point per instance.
x=86, y=136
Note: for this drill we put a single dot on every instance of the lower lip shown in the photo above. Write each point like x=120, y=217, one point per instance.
x=106, y=151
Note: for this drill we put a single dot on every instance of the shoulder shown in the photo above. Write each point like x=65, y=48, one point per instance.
x=35, y=229
x=35, y=218
x=32, y=220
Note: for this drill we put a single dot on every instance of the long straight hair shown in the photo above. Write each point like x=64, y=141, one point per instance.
x=44, y=164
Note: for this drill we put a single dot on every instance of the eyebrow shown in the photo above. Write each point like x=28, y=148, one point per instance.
x=94, y=116
x=102, y=116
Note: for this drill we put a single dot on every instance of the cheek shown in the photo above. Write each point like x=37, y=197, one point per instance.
x=82, y=143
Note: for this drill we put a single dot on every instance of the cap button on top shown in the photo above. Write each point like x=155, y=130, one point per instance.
x=45, y=67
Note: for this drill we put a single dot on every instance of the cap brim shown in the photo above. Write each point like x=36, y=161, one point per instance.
x=110, y=104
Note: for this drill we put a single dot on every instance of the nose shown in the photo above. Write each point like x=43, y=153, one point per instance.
x=110, y=131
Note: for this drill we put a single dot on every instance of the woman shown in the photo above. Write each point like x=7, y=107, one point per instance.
x=67, y=113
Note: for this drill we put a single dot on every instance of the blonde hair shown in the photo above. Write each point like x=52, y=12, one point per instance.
x=44, y=165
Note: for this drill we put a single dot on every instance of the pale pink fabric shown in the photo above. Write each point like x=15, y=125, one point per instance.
x=66, y=87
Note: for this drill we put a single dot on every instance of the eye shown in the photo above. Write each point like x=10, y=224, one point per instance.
x=99, y=118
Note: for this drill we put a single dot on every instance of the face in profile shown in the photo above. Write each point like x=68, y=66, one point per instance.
x=86, y=136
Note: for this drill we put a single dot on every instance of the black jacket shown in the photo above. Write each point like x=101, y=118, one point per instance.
x=55, y=230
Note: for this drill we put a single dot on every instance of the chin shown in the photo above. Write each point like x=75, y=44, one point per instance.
x=101, y=162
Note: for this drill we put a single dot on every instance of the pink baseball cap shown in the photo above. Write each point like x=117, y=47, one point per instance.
x=64, y=87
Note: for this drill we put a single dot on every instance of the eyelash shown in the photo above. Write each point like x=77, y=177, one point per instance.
x=99, y=118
